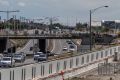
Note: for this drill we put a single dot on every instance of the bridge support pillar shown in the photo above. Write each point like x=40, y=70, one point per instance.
x=42, y=45
x=3, y=43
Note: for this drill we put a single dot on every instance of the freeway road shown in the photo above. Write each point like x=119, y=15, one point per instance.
x=58, y=45
x=26, y=48
x=57, y=49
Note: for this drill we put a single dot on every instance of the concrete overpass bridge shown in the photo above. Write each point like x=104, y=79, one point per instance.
x=42, y=38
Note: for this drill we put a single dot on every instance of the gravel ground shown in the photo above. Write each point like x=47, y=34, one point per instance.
x=98, y=77
x=93, y=75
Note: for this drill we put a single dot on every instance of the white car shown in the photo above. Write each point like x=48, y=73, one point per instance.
x=19, y=58
x=71, y=48
x=65, y=48
x=7, y=61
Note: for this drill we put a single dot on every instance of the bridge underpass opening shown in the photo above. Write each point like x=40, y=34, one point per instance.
x=42, y=45
x=3, y=42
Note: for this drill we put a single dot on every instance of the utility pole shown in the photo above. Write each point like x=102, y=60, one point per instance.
x=20, y=27
x=8, y=12
x=51, y=20
x=14, y=19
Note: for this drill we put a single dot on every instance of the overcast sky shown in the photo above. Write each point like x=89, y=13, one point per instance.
x=68, y=11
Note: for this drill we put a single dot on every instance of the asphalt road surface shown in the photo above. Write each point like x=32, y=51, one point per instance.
x=58, y=45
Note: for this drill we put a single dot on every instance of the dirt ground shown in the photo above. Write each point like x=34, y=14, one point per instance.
x=98, y=77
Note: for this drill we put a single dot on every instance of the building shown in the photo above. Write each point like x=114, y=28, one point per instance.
x=96, y=23
x=113, y=24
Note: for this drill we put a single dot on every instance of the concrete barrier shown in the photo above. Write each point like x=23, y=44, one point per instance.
x=51, y=70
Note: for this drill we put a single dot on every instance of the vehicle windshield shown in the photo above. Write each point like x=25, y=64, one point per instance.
x=71, y=46
x=42, y=55
x=6, y=59
x=37, y=53
x=17, y=56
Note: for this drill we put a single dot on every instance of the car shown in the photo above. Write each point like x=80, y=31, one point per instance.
x=71, y=48
x=22, y=53
x=9, y=55
x=31, y=48
x=7, y=61
x=36, y=55
x=42, y=57
x=69, y=42
x=65, y=48
x=1, y=56
x=19, y=57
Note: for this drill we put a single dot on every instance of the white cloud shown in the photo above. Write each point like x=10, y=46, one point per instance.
x=21, y=4
x=4, y=3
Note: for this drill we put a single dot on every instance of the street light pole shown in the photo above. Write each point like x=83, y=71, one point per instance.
x=92, y=11
x=90, y=32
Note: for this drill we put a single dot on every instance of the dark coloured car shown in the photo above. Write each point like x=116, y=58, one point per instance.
x=69, y=42
x=71, y=48
x=42, y=57
x=36, y=55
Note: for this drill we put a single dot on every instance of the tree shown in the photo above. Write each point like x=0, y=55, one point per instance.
x=79, y=26
x=105, y=29
x=58, y=25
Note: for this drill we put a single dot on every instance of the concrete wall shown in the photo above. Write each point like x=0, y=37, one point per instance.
x=2, y=44
x=50, y=70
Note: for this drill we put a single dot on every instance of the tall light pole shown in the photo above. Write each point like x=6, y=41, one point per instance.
x=92, y=11
x=8, y=12
x=51, y=20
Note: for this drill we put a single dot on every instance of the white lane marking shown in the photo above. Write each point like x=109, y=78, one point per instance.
x=53, y=46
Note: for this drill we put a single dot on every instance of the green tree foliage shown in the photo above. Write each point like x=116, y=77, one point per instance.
x=80, y=26
x=105, y=29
